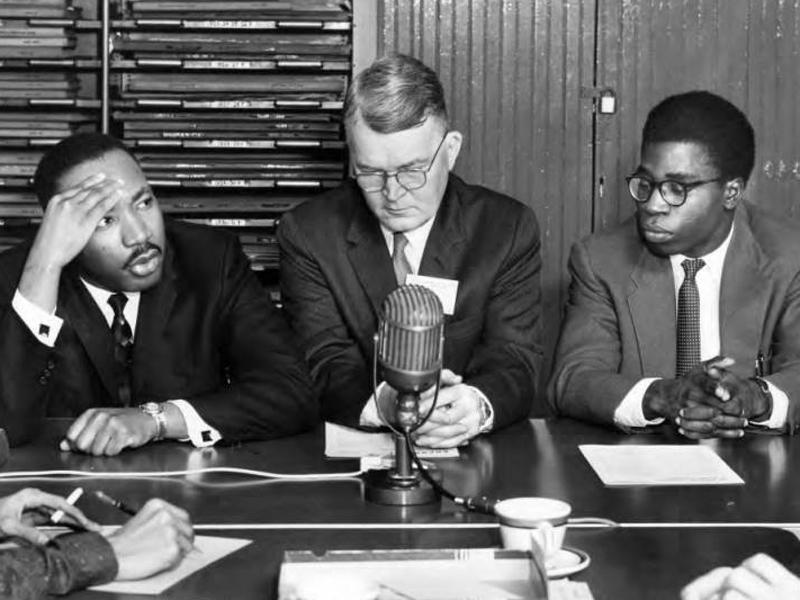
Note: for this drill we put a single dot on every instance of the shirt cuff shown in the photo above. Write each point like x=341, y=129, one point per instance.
x=629, y=413
x=780, y=408
x=487, y=411
x=45, y=326
x=201, y=434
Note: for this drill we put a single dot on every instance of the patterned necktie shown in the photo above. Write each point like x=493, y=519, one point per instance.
x=399, y=260
x=688, y=350
x=123, y=347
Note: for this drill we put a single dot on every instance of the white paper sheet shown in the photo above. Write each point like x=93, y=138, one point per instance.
x=346, y=442
x=564, y=589
x=211, y=549
x=623, y=465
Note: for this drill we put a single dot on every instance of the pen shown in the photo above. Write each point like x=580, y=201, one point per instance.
x=760, y=365
x=71, y=499
x=119, y=504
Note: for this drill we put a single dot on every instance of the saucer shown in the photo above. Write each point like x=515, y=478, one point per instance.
x=567, y=562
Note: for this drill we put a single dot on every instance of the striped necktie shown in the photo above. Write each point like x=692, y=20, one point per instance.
x=123, y=348
x=399, y=260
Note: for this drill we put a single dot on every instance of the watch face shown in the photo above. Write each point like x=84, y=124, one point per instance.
x=151, y=407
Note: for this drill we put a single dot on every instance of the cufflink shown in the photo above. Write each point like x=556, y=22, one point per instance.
x=44, y=329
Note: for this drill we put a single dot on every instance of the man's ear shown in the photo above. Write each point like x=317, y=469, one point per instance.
x=453, y=147
x=733, y=193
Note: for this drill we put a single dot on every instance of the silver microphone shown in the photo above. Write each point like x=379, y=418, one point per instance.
x=408, y=347
x=410, y=339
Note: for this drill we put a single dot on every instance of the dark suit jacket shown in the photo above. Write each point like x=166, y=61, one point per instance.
x=336, y=270
x=206, y=333
x=620, y=318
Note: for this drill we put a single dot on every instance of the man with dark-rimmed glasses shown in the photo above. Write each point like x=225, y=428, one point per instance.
x=689, y=313
x=403, y=216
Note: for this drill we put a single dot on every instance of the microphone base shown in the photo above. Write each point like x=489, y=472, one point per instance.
x=384, y=487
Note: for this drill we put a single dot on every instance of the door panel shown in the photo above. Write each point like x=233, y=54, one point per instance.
x=512, y=72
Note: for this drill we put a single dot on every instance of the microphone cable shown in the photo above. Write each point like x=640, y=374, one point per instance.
x=480, y=504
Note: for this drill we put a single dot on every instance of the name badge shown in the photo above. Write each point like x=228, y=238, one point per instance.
x=446, y=289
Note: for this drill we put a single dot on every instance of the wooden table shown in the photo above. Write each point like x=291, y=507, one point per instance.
x=671, y=535
x=537, y=458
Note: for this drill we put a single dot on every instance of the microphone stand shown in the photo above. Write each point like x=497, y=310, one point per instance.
x=402, y=485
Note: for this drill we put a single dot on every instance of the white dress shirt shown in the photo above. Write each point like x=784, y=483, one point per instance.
x=46, y=327
x=417, y=238
x=630, y=413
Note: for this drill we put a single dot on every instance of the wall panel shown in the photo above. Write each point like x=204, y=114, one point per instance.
x=513, y=71
x=745, y=50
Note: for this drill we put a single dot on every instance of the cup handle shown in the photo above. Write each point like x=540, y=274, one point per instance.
x=544, y=537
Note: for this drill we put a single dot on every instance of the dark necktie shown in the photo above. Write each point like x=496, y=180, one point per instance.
x=688, y=349
x=399, y=260
x=123, y=348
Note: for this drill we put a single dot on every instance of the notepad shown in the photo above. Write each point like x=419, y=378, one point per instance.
x=346, y=442
x=211, y=550
x=630, y=465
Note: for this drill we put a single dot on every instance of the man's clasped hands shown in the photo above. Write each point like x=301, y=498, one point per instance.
x=709, y=401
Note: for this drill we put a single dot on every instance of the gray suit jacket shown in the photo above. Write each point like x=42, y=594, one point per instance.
x=620, y=319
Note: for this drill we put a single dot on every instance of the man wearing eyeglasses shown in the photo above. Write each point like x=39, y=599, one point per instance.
x=404, y=217
x=689, y=313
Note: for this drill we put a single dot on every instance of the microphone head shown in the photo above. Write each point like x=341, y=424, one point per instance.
x=410, y=338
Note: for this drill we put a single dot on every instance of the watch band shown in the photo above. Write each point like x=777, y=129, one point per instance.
x=486, y=413
x=764, y=389
x=156, y=410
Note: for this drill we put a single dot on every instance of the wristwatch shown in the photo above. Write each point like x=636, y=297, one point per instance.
x=156, y=410
x=486, y=414
x=764, y=388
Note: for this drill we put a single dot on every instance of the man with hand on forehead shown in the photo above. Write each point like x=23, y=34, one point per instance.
x=405, y=218
x=138, y=328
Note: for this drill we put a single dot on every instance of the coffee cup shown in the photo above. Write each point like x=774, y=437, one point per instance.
x=526, y=521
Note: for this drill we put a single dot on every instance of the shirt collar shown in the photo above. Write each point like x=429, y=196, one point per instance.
x=714, y=260
x=101, y=295
x=417, y=238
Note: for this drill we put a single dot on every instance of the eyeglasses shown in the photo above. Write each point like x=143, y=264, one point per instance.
x=409, y=179
x=673, y=192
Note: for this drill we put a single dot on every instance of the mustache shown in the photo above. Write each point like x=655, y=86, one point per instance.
x=140, y=250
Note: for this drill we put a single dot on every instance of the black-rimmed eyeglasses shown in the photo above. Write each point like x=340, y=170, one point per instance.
x=673, y=192
x=409, y=179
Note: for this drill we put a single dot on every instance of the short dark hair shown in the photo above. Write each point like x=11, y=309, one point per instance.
x=710, y=120
x=394, y=93
x=68, y=153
